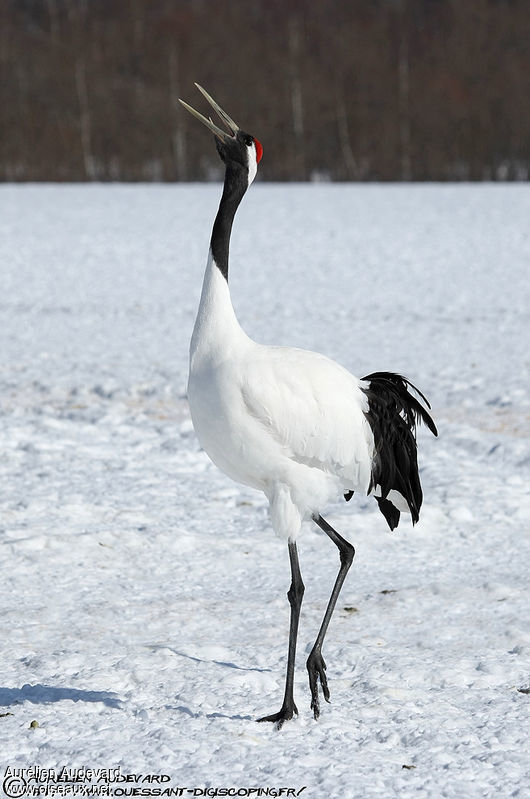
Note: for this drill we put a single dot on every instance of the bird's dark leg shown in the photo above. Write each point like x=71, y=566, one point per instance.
x=315, y=662
x=294, y=595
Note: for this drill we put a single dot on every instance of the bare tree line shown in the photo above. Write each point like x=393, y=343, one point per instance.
x=358, y=90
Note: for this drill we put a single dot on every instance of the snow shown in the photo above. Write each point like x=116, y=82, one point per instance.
x=144, y=619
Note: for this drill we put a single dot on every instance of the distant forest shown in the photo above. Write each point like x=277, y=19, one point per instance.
x=335, y=90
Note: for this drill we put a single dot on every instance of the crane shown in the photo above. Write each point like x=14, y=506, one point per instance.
x=292, y=423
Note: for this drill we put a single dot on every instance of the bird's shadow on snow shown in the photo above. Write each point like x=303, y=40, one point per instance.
x=196, y=659
x=194, y=715
x=225, y=664
x=45, y=694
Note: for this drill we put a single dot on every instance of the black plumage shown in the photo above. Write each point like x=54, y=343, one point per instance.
x=393, y=413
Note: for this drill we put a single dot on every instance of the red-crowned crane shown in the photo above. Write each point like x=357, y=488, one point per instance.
x=293, y=423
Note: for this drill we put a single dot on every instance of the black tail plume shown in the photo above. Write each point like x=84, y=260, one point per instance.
x=393, y=415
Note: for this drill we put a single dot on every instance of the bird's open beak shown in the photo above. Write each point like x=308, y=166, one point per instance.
x=230, y=124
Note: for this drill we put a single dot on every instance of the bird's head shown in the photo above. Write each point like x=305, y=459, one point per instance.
x=238, y=150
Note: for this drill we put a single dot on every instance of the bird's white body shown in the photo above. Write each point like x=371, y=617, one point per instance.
x=286, y=421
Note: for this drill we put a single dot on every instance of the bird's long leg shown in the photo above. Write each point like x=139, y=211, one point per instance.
x=315, y=662
x=294, y=595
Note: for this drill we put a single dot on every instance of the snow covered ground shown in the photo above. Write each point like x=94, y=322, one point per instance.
x=143, y=612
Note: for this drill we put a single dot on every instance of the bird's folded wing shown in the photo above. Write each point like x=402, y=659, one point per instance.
x=311, y=406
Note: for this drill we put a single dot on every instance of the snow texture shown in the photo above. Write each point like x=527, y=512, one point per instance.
x=143, y=594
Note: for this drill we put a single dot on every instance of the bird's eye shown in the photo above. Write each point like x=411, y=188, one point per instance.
x=249, y=141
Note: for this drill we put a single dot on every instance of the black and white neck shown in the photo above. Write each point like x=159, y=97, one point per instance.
x=239, y=174
x=241, y=154
x=217, y=330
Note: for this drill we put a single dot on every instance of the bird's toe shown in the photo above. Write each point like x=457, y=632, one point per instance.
x=316, y=668
x=285, y=714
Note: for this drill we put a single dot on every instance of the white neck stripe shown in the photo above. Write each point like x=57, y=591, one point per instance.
x=252, y=162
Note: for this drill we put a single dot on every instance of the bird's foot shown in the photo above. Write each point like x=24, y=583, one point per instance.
x=316, y=668
x=288, y=710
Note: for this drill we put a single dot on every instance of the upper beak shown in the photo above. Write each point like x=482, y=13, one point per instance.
x=221, y=134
